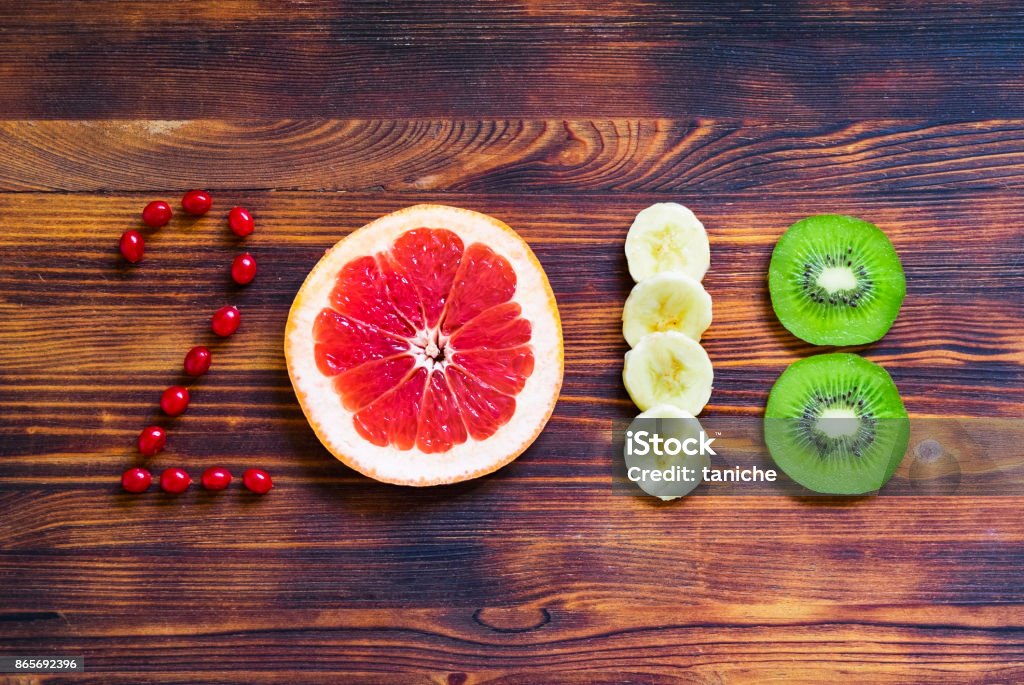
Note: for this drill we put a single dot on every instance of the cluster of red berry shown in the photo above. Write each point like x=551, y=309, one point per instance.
x=174, y=400
x=176, y=481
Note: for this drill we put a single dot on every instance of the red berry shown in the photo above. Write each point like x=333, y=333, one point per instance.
x=225, y=321
x=136, y=480
x=197, y=361
x=197, y=202
x=174, y=401
x=156, y=214
x=257, y=480
x=151, y=440
x=241, y=222
x=132, y=246
x=243, y=269
x=216, y=478
x=174, y=481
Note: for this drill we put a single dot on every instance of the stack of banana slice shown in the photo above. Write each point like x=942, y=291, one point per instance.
x=667, y=373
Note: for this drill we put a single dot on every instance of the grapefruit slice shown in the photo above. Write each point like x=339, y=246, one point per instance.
x=426, y=347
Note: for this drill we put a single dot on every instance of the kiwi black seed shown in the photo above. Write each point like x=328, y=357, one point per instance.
x=835, y=423
x=836, y=280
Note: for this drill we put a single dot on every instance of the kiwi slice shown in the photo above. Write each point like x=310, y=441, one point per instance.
x=836, y=280
x=835, y=424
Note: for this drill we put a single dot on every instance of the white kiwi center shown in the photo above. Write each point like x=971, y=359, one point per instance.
x=833, y=279
x=838, y=422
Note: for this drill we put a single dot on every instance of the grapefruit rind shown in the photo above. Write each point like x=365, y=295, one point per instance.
x=319, y=399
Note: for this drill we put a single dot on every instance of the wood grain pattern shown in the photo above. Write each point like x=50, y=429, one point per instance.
x=511, y=155
x=562, y=120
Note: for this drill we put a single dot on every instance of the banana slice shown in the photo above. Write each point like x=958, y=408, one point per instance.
x=667, y=237
x=667, y=422
x=666, y=302
x=668, y=368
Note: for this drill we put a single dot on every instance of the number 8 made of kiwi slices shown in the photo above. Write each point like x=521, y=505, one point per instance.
x=836, y=280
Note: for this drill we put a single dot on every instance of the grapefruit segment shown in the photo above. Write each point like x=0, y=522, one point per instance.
x=361, y=294
x=504, y=370
x=401, y=290
x=485, y=279
x=342, y=343
x=441, y=424
x=366, y=382
x=484, y=409
x=393, y=418
x=429, y=258
x=426, y=347
x=499, y=327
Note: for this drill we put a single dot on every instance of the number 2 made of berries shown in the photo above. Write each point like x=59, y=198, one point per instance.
x=225, y=321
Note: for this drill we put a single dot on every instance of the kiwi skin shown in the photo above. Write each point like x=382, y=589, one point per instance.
x=855, y=249
x=862, y=463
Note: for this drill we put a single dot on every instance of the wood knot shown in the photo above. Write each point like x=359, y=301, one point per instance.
x=512, y=619
x=574, y=153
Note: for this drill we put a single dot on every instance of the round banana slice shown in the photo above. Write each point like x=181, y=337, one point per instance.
x=666, y=302
x=667, y=237
x=659, y=467
x=668, y=368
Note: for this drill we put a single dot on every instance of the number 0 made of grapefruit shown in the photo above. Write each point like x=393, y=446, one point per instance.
x=426, y=347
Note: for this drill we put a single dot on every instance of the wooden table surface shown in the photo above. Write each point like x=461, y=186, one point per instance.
x=563, y=121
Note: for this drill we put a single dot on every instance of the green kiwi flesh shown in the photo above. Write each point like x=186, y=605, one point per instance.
x=835, y=424
x=836, y=280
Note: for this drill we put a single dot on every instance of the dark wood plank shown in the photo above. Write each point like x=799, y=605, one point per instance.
x=511, y=155
x=435, y=644
x=954, y=349
x=426, y=20
x=333, y=575
x=644, y=59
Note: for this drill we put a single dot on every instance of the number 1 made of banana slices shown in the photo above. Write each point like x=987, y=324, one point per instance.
x=668, y=310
